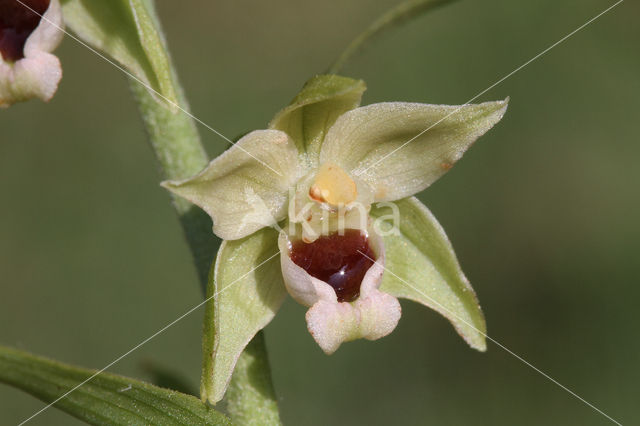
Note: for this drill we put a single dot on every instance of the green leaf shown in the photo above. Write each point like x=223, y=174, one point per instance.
x=421, y=266
x=244, y=293
x=154, y=45
x=126, y=31
x=401, y=148
x=106, y=398
x=314, y=110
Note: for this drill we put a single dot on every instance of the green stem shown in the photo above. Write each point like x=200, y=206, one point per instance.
x=177, y=146
x=399, y=14
x=251, y=398
x=176, y=143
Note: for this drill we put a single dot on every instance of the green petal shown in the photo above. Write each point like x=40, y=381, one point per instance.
x=106, y=398
x=312, y=112
x=246, y=188
x=421, y=266
x=388, y=145
x=127, y=32
x=243, y=294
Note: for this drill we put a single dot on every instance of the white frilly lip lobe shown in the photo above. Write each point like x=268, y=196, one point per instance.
x=38, y=73
x=372, y=315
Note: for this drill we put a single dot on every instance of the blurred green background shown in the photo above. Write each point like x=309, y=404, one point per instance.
x=543, y=211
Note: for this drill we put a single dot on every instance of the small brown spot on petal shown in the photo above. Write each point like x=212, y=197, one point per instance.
x=381, y=192
x=446, y=166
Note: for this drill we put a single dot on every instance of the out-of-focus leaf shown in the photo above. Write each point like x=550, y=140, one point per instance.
x=421, y=266
x=106, y=398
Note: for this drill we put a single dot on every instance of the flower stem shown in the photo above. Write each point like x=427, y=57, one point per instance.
x=176, y=143
x=251, y=398
x=179, y=151
x=395, y=16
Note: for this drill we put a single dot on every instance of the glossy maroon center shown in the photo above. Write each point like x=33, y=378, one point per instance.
x=339, y=260
x=17, y=22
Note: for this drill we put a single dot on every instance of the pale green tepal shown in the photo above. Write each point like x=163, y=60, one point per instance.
x=324, y=168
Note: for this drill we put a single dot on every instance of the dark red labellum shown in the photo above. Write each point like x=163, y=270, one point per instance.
x=17, y=22
x=339, y=260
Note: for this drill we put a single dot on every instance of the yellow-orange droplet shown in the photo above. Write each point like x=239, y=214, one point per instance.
x=333, y=185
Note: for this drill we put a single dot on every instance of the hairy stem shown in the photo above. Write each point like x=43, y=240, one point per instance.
x=177, y=146
x=251, y=398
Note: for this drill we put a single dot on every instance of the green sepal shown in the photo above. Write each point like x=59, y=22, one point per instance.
x=312, y=112
x=106, y=398
x=400, y=148
x=422, y=266
x=245, y=188
x=244, y=293
x=127, y=32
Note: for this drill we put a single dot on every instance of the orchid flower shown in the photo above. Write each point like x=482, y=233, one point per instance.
x=29, y=31
x=329, y=186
